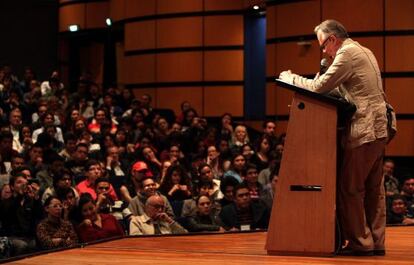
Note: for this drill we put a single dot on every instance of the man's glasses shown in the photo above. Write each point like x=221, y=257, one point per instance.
x=324, y=43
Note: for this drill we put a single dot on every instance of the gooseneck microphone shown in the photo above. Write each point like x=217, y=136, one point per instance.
x=324, y=66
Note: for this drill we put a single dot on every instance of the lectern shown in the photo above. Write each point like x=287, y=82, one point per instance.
x=303, y=214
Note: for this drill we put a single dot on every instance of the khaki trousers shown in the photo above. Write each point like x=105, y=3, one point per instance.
x=361, y=197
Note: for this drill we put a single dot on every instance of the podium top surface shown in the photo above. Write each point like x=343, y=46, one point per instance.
x=322, y=97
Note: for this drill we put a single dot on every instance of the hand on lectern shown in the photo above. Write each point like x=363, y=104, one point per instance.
x=286, y=76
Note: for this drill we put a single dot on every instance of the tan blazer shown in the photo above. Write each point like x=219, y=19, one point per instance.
x=143, y=225
x=356, y=73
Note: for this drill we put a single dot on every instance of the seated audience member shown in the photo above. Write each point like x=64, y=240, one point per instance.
x=70, y=146
x=5, y=192
x=225, y=129
x=48, y=119
x=149, y=188
x=102, y=123
x=390, y=182
x=407, y=190
x=205, y=219
x=248, y=152
x=227, y=186
x=78, y=162
x=53, y=231
x=105, y=203
x=399, y=214
x=264, y=175
x=95, y=226
x=69, y=201
x=6, y=151
x=269, y=129
x=61, y=180
x=269, y=190
x=255, y=188
x=203, y=188
x=46, y=176
x=239, y=138
x=117, y=171
x=238, y=162
x=176, y=185
x=261, y=158
x=215, y=161
x=244, y=213
x=20, y=213
x=149, y=156
x=93, y=171
x=205, y=172
x=139, y=171
x=154, y=220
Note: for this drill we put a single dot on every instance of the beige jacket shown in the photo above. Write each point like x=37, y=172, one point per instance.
x=143, y=225
x=355, y=71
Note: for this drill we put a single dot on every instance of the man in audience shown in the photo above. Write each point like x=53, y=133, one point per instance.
x=93, y=172
x=149, y=188
x=154, y=220
x=407, y=190
x=244, y=213
x=399, y=213
x=15, y=120
x=78, y=161
x=20, y=213
x=390, y=182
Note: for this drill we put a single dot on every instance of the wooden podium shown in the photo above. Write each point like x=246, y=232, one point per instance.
x=303, y=214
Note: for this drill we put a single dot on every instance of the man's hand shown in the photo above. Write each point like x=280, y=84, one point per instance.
x=164, y=217
x=286, y=76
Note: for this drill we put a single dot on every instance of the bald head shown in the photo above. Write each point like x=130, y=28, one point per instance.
x=154, y=206
x=154, y=199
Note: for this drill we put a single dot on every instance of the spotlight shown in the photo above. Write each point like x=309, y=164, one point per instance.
x=73, y=28
x=108, y=22
x=256, y=7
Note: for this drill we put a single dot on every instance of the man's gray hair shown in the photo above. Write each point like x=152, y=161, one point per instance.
x=332, y=27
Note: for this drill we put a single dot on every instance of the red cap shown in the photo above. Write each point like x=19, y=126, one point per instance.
x=142, y=166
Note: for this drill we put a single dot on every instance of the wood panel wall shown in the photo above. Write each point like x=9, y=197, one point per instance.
x=386, y=27
x=184, y=50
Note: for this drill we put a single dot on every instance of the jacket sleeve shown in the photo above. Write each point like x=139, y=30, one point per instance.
x=337, y=73
x=134, y=227
x=194, y=226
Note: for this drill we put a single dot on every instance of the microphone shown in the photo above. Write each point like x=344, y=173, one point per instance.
x=324, y=66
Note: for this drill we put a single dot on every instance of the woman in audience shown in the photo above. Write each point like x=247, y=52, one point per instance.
x=53, y=231
x=150, y=158
x=96, y=226
x=215, y=162
x=176, y=185
x=205, y=220
x=236, y=171
x=248, y=152
x=239, y=138
x=25, y=138
x=261, y=157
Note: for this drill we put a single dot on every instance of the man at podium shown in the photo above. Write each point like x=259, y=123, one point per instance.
x=354, y=72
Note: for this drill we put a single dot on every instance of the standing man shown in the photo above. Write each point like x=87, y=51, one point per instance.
x=361, y=198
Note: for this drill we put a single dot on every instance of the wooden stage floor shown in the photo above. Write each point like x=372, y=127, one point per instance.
x=232, y=248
